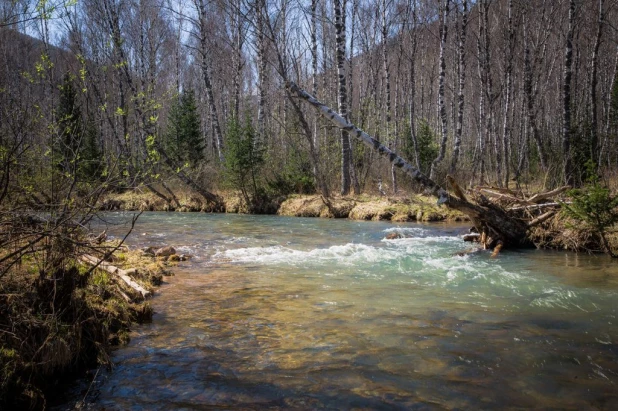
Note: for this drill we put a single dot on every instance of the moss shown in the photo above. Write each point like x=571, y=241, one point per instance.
x=60, y=328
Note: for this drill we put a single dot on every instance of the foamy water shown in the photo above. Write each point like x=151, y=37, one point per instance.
x=300, y=313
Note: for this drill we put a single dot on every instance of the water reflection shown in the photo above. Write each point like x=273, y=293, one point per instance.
x=277, y=313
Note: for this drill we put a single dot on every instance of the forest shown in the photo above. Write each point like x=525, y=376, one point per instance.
x=115, y=95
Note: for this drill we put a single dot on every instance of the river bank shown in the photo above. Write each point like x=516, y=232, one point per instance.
x=362, y=207
x=559, y=232
x=55, y=327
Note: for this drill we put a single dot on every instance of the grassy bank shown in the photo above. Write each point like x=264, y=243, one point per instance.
x=399, y=209
x=559, y=232
x=363, y=207
x=54, y=327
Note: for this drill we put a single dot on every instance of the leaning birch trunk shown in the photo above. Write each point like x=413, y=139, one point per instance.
x=492, y=222
x=118, y=272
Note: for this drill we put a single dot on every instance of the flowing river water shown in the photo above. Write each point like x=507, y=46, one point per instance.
x=294, y=313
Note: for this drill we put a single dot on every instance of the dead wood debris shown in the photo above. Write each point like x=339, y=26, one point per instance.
x=121, y=274
x=531, y=209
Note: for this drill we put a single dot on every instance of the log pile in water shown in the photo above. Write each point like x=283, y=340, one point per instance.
x=523, y=211
x=502, y=218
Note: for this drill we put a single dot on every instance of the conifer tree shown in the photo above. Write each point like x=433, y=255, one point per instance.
x=184, y=138
x=90, y=164
x=244, y=155
x=70, y=131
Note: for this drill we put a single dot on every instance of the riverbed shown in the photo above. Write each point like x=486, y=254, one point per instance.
x=295, y=313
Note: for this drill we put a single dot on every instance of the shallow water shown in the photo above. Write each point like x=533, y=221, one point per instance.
x=293, y=313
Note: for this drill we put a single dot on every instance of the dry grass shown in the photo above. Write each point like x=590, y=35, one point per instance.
x=562, y=233
x=303, y=206
x=54, y=326
x=362, y=207
x=369, y=208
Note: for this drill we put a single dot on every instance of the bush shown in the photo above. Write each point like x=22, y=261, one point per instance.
x=244, y=157
x=595, y=207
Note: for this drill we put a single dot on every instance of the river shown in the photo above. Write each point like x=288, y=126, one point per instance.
x=295, y=313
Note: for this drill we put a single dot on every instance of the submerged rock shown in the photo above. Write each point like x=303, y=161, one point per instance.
x=165, y=251
x=393, y=236
x=149, y=251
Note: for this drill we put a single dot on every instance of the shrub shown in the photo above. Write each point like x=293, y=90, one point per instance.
x=595, y=207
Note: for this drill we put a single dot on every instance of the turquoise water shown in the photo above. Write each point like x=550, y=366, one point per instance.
x=293, y=313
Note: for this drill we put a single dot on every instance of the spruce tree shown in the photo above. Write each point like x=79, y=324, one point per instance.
x=183, y=139
x=244, y=156
x=70, y=130
x=90, y=164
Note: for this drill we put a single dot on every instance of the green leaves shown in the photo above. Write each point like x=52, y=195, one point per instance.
x=594, y=206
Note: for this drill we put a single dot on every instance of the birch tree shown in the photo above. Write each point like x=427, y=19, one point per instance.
x=461, y=70
x=342, y=95
x=567, y=169
x=508, y=90
x=594, y=67
x=201, y=32
x=444, y=12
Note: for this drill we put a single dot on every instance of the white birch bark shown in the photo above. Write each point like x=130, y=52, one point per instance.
x=566, y=98
x=594, y=123
x=507, y=98
x=314, y=62
x=529, y=96
x=374, y=144
x=461, y=68
x=441, y=104
x=346, y=150
x=200, y=6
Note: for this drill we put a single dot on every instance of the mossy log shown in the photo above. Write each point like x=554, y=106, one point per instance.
x=118, y=272
x=497, y=227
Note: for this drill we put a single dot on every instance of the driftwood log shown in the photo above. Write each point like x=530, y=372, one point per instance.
x=121, y=274
x=497, y=226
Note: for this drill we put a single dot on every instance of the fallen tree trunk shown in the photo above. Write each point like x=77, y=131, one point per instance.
x=118, y=272
x=491, y=221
